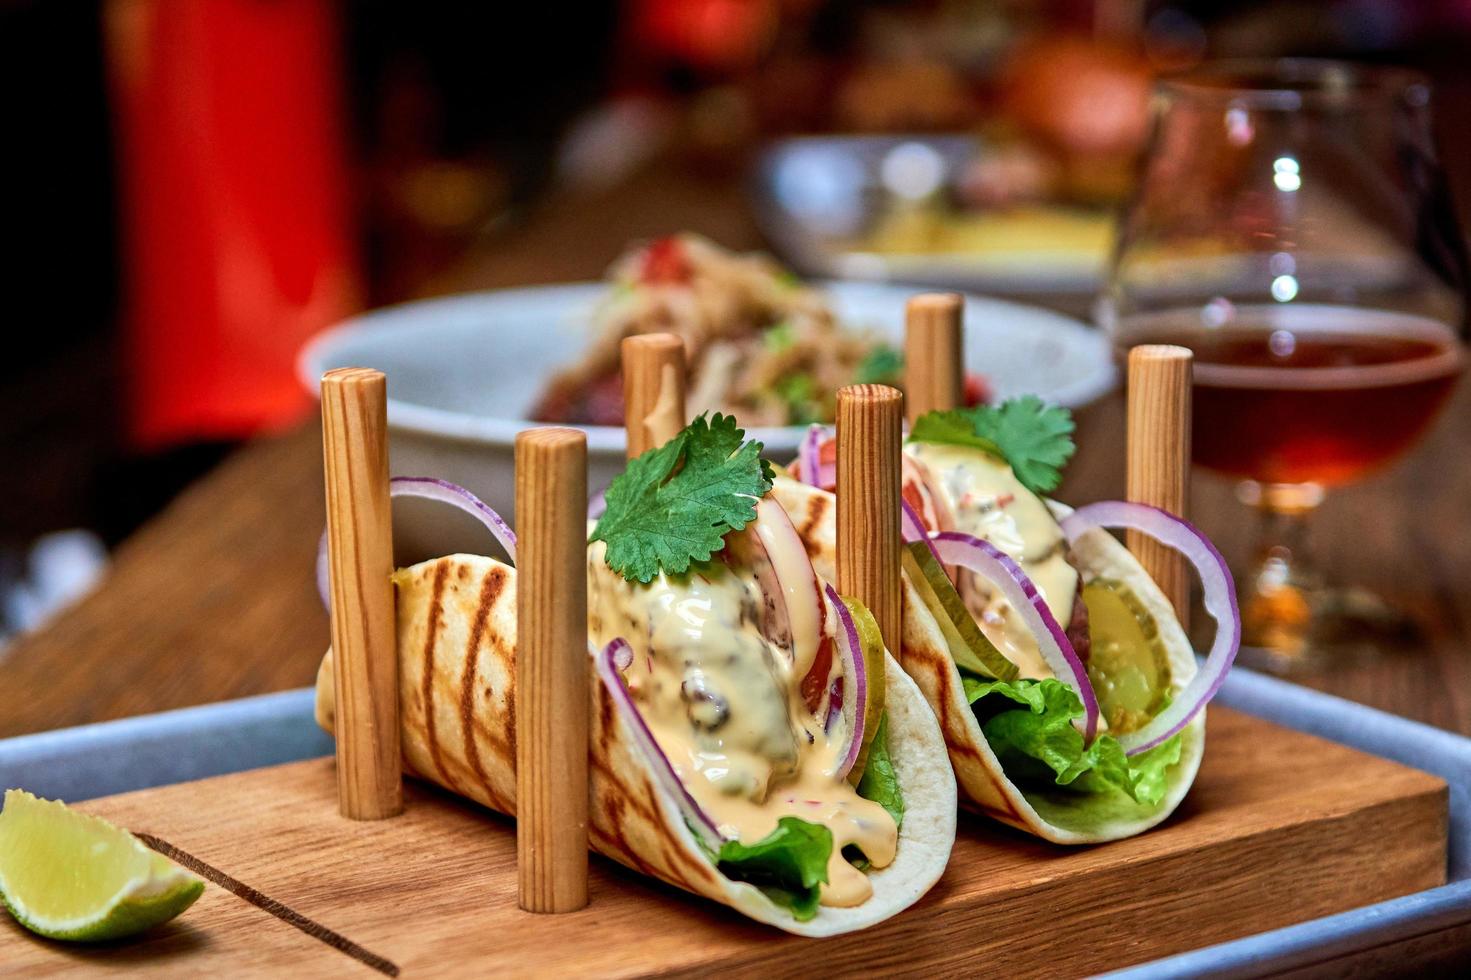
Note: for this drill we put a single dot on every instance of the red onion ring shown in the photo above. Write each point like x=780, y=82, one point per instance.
x=855, y=681
x=808, y=461
x=913, y=529
x=810, y=468
x=795, y=587
x=605, y=663
x=998, y=568
x=428, y=488
x=1220, y=602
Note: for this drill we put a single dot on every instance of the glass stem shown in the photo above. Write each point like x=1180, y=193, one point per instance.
x=1277, y=596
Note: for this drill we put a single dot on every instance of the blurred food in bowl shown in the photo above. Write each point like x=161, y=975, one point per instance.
x=1016, y=234
x=957, y=212
x=760, y=345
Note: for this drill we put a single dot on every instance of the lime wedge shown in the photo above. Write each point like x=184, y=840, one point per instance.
x=968, y=645
x=872, y=642
x=1127, y=664
x=69, y=875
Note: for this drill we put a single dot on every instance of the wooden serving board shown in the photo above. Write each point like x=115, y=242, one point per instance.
x=1281, y=827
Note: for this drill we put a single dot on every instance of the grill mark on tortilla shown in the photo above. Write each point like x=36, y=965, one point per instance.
x=671, y=848
x=431, y=737
x=923, y=658
x=680, y=861
x=816, y=509
x=613, y=811
x=619, y=797
x=958, y=741
x=601, y=767
x=956, y=736
x=493, y=737
x=490, y=591
x=609, y=846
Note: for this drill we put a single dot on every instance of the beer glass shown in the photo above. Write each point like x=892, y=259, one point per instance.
x=1292, y=227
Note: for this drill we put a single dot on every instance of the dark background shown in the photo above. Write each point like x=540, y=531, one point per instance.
x=480, y=95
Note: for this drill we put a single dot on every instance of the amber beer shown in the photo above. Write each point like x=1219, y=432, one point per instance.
x=1313, y=394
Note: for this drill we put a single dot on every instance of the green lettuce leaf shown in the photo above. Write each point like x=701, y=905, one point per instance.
x=789, y=864
x=1038, y=740
x=879, y=782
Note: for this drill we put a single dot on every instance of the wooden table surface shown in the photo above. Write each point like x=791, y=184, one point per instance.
x=214, y=598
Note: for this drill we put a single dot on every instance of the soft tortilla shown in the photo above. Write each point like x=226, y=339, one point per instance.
x=456, y=641
x=1063, y=817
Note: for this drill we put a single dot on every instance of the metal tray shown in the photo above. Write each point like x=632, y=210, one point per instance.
x=154, y=750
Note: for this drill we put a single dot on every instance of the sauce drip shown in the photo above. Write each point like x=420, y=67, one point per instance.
x=985, y=499
x=726, y=707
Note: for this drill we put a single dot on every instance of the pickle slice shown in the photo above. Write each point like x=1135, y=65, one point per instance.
x=1128, y=665
x=872, y=642
x=969, y=647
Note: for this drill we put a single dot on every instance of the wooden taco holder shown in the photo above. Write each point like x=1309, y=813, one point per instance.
x=1280, y=827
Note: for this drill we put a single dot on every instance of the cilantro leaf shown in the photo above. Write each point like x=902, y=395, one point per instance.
x=789, y=864
x=882, y=365
x=879, y=782
x=952, y=428
x=1042, y=731
x=674, y=504
x=1034, y=438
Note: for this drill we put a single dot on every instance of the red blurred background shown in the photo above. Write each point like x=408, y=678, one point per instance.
x=196, y=186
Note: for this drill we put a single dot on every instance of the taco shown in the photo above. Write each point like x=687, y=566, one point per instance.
x=1070, y=698
x=751, y=739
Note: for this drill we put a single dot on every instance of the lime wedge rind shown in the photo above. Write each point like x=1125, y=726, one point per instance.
x=157, y=890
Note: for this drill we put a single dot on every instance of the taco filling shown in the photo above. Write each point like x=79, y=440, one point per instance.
x=1080, y=680
x=1032, y=721
x=755, y=682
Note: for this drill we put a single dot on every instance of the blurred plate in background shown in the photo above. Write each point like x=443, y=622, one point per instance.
x=463, y=371
x=885, y=209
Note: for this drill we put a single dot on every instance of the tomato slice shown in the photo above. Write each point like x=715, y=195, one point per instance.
x=977, y=390
x=665, y=263
x=815, y=684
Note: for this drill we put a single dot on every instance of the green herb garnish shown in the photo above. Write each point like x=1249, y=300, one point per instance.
x=789, y=864
x=675, y=504
x=882, y=365
x=779, y=336
x=1041, y=734
x=1034, y=438
x=879, y=782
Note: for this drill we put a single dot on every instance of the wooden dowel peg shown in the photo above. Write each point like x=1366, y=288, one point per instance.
x=654, y=377
x=870, y=421
x=360, y=563
x=934, y=353
x=551, y=669
x=1159, y=458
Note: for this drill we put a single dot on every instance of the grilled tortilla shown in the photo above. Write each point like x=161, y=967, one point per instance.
x=457, y=649
x=1059, y=816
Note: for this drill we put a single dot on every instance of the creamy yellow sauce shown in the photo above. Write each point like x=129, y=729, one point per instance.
x=725, y=706
x=986, y=500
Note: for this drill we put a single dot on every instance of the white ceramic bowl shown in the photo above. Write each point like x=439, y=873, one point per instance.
x=463, y=370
